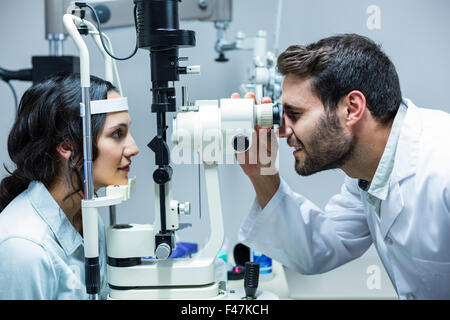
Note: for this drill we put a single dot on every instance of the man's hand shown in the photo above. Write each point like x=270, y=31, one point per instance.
x=260, y=158
x=259, y=161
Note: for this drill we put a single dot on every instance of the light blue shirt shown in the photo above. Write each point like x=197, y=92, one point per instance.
x=41, y=253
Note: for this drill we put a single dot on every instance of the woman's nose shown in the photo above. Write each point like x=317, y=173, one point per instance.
x=132, y=148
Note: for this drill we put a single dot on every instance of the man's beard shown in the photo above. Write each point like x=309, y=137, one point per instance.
x=328, y=148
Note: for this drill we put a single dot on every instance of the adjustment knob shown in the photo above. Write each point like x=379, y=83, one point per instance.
x=184, y=208
x=241, y=143
x=264, y=115
x=193, y=70
x=163, y=251
x=162, y=175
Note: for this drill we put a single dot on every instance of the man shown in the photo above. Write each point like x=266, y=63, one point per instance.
x=343, y=109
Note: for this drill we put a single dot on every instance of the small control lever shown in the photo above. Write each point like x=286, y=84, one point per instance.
x=251, y=280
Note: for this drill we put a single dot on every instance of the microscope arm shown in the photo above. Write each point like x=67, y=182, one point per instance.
x=215, y=213
x=110, y=64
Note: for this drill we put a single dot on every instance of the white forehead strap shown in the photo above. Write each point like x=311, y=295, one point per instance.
x=109, y=105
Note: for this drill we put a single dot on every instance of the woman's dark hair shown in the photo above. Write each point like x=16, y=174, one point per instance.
x=49, y=114
x=339, y=64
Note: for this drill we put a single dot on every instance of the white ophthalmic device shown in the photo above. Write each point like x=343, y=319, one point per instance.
x=211, y=127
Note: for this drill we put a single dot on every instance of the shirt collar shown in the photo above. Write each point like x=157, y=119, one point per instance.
x=379, y=185
x=54, y=216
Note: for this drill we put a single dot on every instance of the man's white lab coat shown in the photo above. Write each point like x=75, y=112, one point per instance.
x=411, y=231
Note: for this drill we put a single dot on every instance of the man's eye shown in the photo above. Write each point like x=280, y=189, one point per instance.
x=294, y=115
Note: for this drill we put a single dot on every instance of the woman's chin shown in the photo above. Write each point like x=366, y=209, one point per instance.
x=121, y=182
x=116, y=182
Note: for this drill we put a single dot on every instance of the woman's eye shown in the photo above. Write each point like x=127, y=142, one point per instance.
x=117, y=134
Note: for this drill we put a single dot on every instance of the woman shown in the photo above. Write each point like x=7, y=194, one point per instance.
x=41, y=245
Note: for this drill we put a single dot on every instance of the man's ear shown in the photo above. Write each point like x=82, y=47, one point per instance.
x=355, y=106
x=65, y=149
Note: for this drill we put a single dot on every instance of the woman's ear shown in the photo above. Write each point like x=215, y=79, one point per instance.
x=65, y=149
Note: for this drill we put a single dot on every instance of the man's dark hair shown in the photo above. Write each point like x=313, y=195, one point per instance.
x=342, y=63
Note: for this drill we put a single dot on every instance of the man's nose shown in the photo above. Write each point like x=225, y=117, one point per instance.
x=285, y=131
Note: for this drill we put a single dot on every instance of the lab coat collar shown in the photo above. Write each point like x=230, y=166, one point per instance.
x=54, y=216
x=405, y=166
x=407, y=152
x=391, y=208
x=379, y=185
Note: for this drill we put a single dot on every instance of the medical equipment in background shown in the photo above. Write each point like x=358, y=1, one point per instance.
x=55, y=61
x=55, y=33
x=119, y=13
x=263, y=78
